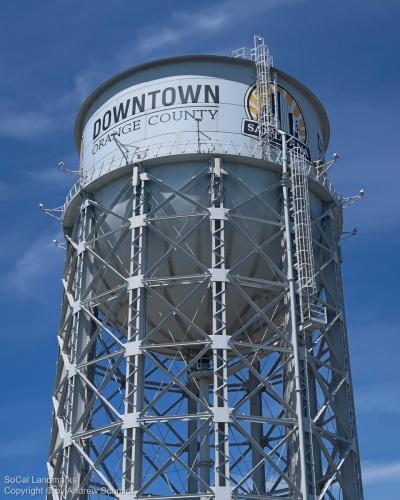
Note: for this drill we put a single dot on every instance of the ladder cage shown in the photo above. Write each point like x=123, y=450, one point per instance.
x=301, y=214
x=267, y=91
x=312, y=312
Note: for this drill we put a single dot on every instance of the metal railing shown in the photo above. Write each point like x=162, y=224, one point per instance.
x=244, y=53
x=314, y=315
x=248, y=148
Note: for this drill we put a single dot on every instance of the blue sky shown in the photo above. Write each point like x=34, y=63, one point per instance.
x=54, y=52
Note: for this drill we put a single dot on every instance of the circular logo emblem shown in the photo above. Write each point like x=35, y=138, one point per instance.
x=291, y=118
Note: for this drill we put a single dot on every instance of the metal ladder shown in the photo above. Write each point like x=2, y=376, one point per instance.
x=267, y=91
x=312, y=312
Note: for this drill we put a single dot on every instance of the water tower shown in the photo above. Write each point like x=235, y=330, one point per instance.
x=202, y=342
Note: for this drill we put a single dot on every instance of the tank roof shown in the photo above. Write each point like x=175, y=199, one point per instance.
x=86, y=105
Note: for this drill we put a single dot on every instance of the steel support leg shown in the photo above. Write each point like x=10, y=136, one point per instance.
x=134, y=390
x=220, y=362
x=298, y=360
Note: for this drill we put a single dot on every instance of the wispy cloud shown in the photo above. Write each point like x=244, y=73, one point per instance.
x=32, y=270
x=384, y=398
x=17, y=124
x=377, y=472
x=55, y=113
x=182, y=27
x=50, y=176
x=377, y=392
x=197, y=24
x=187, y=24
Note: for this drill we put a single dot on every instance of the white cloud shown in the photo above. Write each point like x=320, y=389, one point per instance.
x=378, y=472
x=55, y=113
x=50, y=176
x=83, y=81
x=32, y=269
x=20, y=125
x=377, y=390
x=152, y=40
x=198, y=24
x=187, y=24
x=183, y=27
x=380, y=399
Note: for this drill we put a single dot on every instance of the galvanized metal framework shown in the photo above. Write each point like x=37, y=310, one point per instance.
x=211, y=383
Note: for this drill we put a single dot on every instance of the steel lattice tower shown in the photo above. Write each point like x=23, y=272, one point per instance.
x=199, y=357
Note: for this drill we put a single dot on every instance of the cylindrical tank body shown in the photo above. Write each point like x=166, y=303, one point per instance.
x=152, y=112
x=181, y=344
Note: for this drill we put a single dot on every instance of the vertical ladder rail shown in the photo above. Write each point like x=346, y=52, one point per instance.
x=134, y=388
x=311, y=312
x=265, y=91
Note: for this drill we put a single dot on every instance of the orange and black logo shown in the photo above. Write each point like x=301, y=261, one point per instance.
x=290, y=116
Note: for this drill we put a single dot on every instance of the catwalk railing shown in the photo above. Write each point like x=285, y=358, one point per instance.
x=243, y=148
